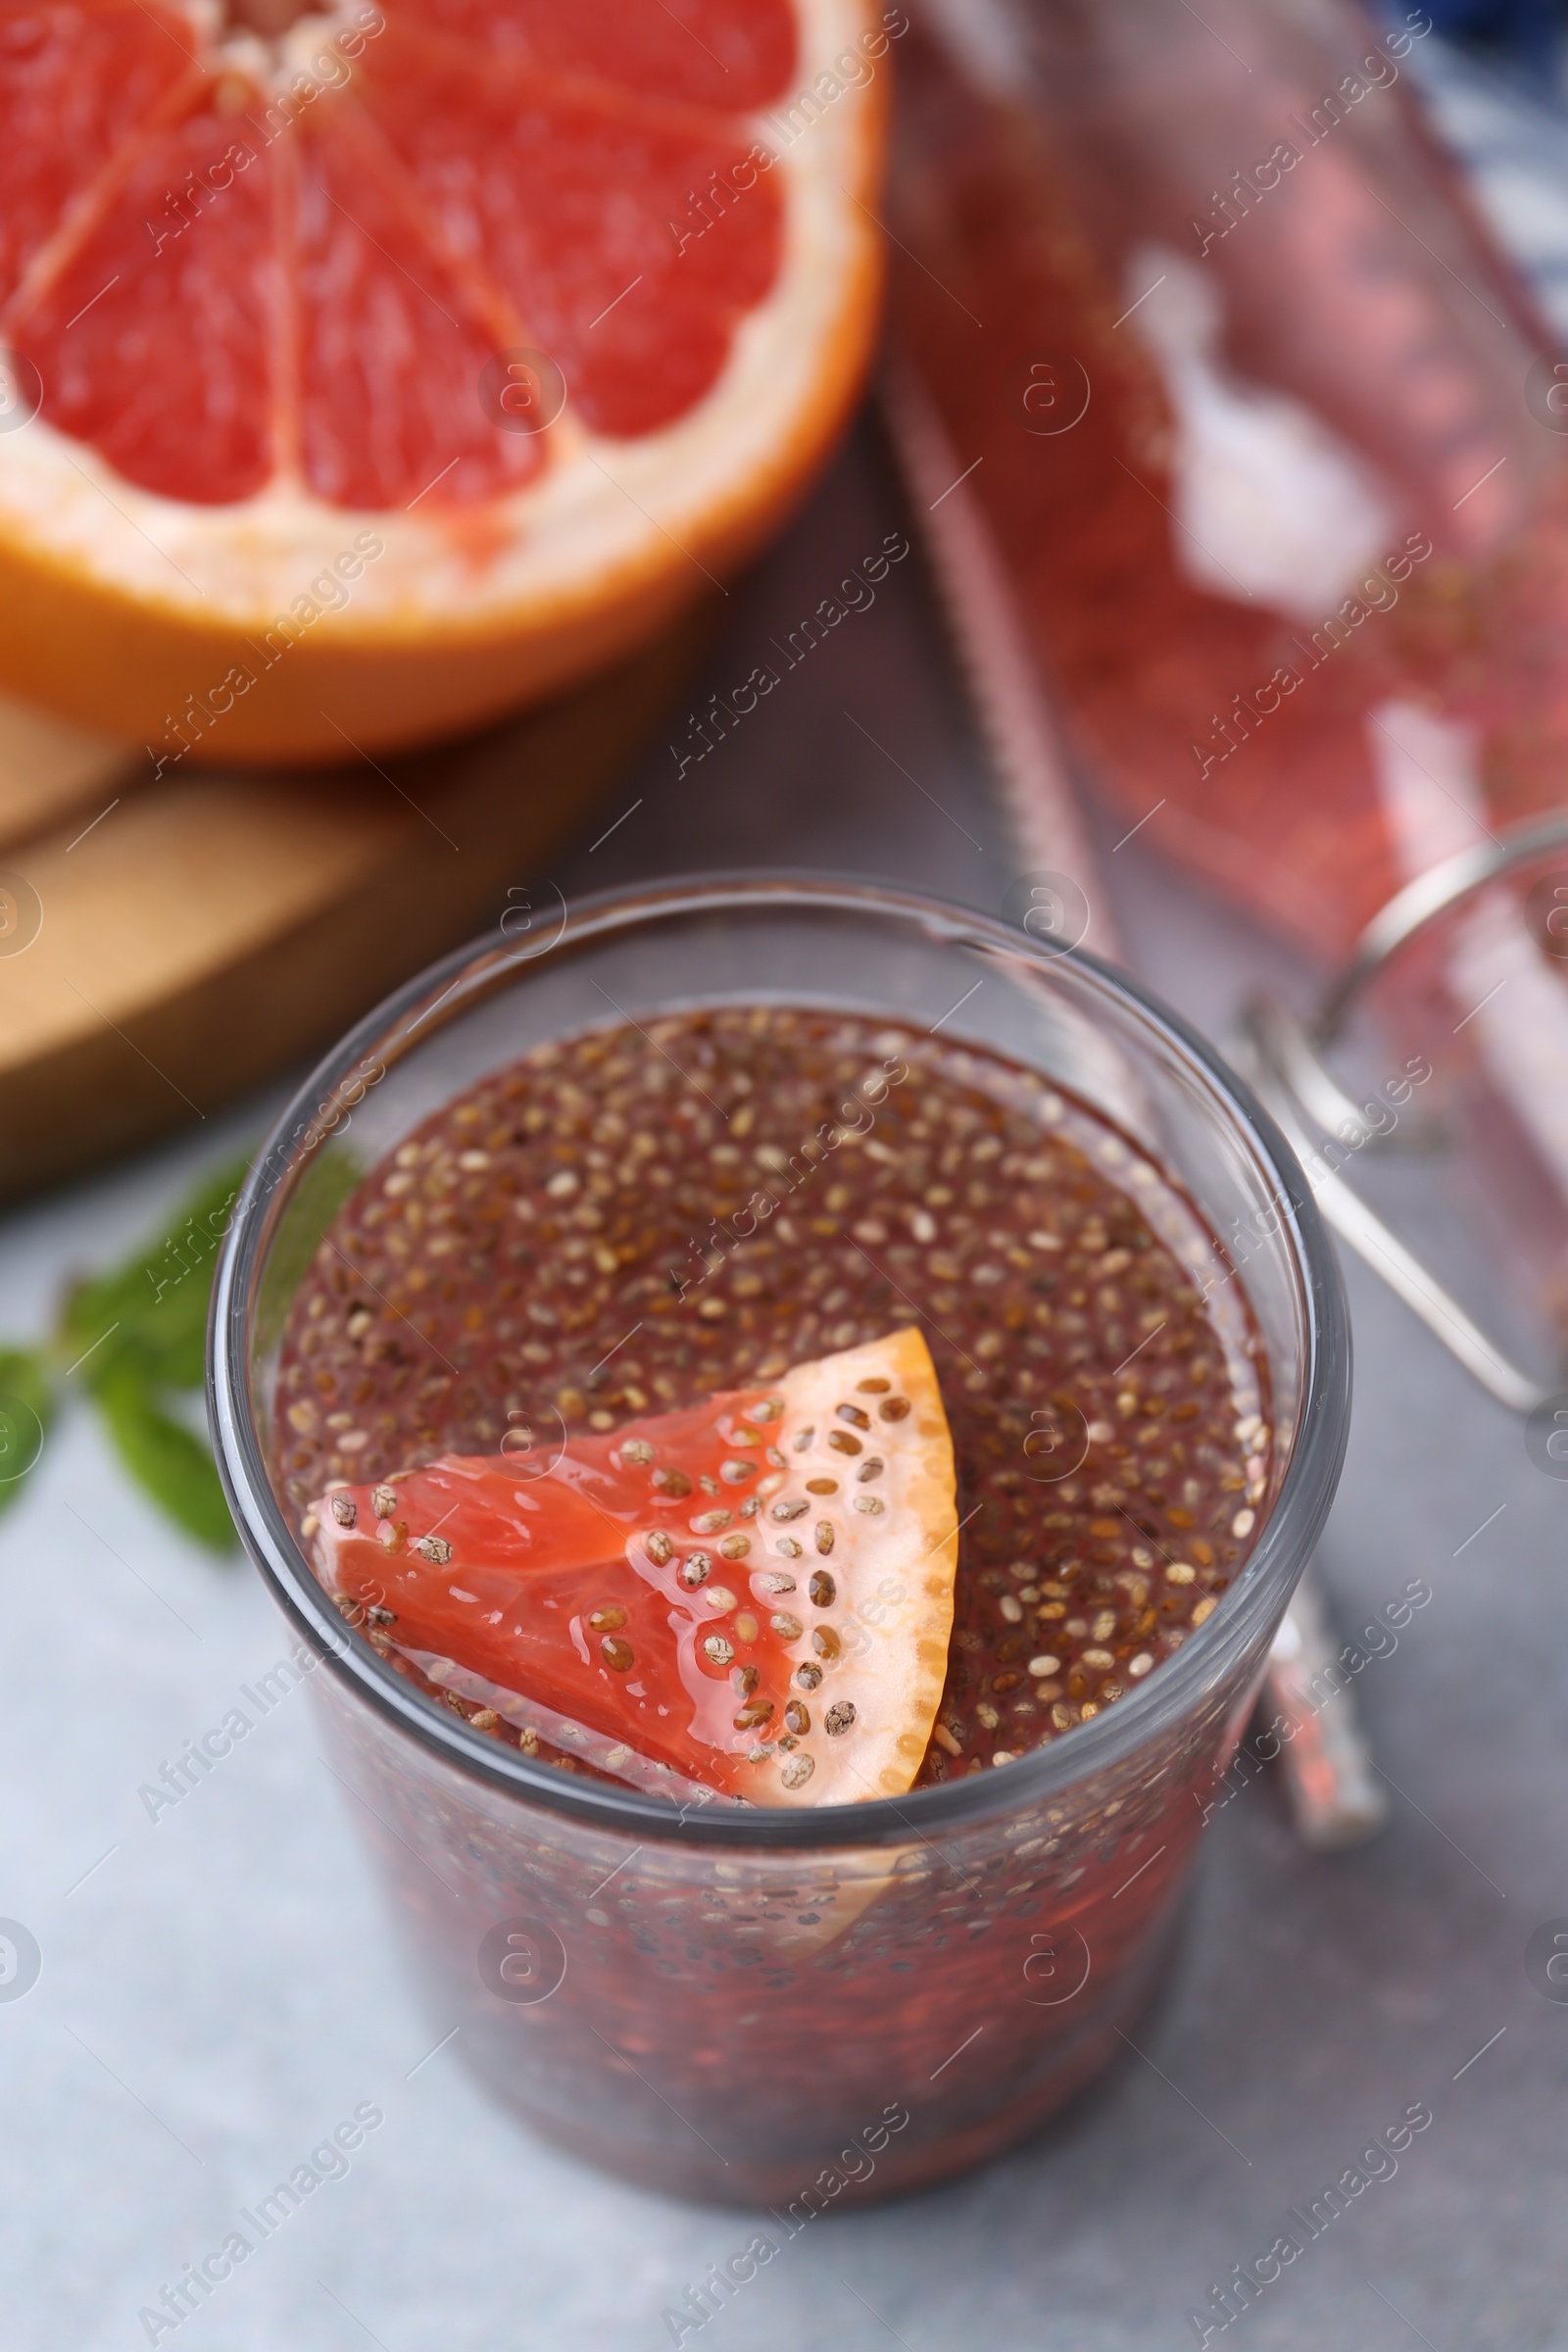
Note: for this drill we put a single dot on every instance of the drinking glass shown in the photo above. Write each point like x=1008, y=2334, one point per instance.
x=778, y=2006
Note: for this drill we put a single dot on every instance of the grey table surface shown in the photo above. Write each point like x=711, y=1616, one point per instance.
x=217, y=1989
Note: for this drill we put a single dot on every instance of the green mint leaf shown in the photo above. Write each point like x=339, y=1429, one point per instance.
x=165, y=1461
x=27, y=1407
x=149, y=1314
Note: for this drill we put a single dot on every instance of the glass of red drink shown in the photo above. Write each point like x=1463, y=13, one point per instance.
x=1074, y=1201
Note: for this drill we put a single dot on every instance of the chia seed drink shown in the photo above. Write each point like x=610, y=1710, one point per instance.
x=632, y=1216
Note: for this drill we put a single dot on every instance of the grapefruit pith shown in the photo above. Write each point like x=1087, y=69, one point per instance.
x=365, y=377
x=754, y=1596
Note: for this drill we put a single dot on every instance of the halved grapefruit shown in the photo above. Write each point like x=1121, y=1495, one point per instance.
x=365, y=374
x=754, y=1596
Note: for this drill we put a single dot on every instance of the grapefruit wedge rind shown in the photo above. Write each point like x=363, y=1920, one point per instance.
x=886, y=1544
x=753, y=1595
x=259, y=497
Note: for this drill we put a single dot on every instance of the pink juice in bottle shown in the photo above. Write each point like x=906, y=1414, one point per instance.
x=1261, y=421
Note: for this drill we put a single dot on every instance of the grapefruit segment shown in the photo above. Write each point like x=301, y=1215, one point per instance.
x=565, y=197
x=706, y=52
x=102, y=327
x=363, y=328
x=76, y=83
x=754, y=1595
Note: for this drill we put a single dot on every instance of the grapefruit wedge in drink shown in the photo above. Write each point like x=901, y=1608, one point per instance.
x=753, y=1596
x=365, y=374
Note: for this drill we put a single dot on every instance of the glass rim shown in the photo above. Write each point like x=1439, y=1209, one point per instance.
x=478, y=969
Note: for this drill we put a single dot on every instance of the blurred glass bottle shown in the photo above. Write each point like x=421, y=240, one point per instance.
x=1267, y=430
